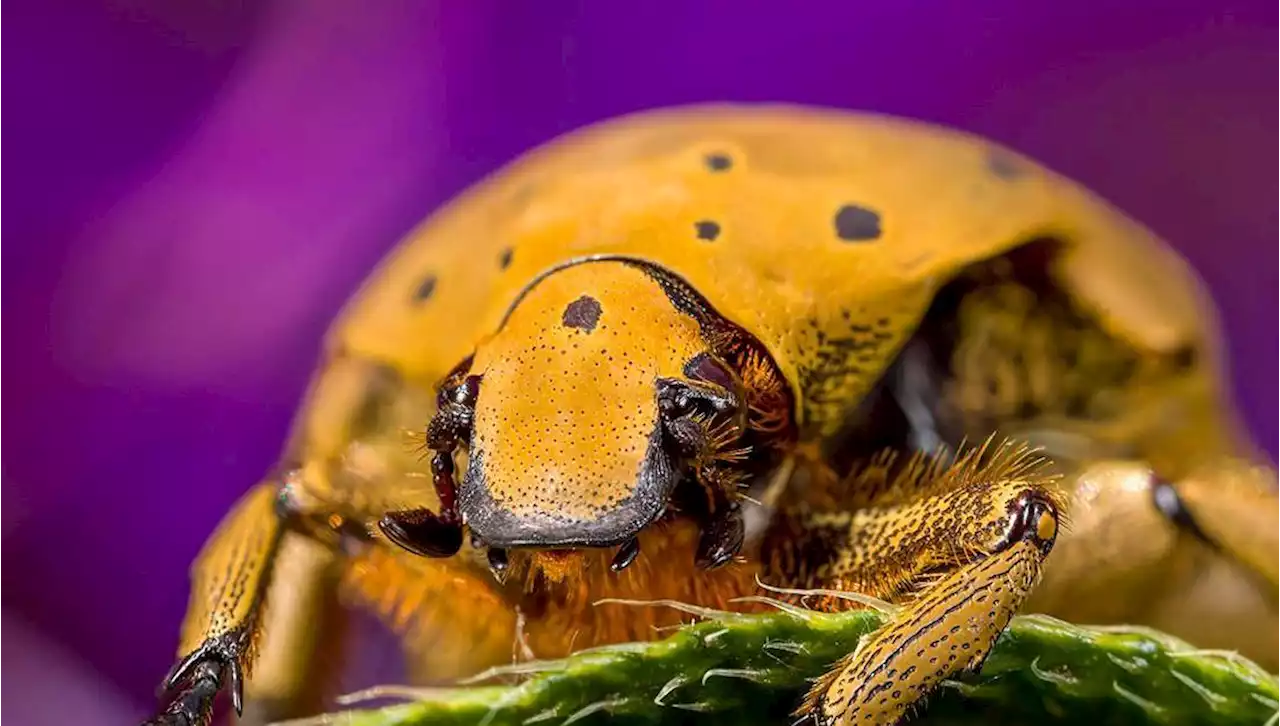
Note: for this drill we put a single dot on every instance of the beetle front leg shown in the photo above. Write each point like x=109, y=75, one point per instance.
x=960, y=546
x=230, y=581
x=222, y=624
x=950, y=628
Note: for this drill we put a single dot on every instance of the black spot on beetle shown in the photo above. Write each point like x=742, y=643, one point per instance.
x=523, y=195
x=582, y=314
x=707, y=230
x=1185, y=358
x=1004, y=165
x=504, y=259
x=425, y=289
x=857, y=224
x=717, y=161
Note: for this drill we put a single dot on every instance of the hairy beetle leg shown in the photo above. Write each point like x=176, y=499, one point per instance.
x=959, y=544
x=950, y=629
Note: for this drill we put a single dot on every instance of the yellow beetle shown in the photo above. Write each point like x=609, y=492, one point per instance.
x=693, y=350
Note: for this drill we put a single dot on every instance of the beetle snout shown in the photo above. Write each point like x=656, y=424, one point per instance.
x=551, y=513
x=504, y=527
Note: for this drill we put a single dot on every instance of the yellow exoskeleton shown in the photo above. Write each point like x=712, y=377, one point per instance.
x=683, y=352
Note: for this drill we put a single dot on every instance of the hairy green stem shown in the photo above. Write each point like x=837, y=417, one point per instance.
x=753, y=669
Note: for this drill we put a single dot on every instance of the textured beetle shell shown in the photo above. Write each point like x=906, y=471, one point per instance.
x=823, y=233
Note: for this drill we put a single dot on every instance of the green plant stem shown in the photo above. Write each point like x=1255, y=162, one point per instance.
x=754, y=669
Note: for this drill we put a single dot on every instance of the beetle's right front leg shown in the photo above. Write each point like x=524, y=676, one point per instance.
x=350, y=465
x=958, y=544
x=229, y=581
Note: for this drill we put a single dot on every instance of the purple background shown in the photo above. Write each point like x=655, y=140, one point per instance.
x=194, y=188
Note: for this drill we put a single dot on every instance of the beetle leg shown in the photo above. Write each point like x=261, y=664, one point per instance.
x=1195, y=557
x=723, y=528
x=721, y=537
x=222, y=623
x=1232, y=506
x=960, y=546
x=192, y=703
x=950, y=628
x=304, y=633
x=231, y=578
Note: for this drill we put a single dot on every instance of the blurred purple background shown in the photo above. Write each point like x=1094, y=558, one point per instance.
x=195, y=187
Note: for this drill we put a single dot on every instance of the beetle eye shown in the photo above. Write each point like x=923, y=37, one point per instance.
x=704, y=367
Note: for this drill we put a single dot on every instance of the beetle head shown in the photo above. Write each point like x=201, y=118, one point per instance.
x=594, y=398
x=608, y=385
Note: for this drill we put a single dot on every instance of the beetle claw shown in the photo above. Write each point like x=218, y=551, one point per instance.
x=196, y=680
x=721, y=539
x=627, y=554
x=235, y=680
x=182, y=669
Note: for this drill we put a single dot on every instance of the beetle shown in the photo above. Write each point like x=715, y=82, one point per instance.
x=691, y=351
